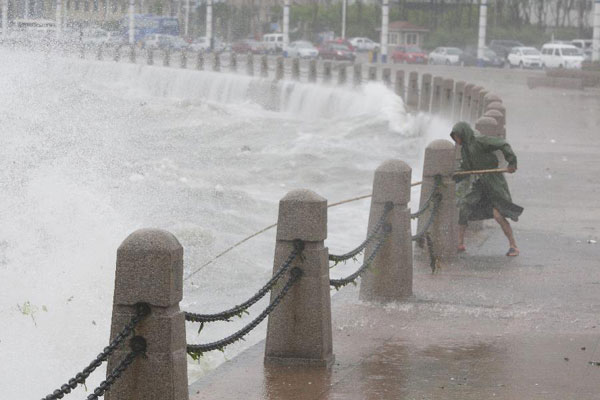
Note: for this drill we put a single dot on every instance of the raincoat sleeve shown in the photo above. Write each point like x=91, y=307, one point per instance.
x=495, y=143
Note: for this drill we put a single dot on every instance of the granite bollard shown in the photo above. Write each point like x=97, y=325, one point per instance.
x=372, y=73
x=425, y=92
x=342, y=73
x=467, y=102
x=386, y=76
x=490, y=98
x=357, y=74
x=279, y=69
x=447, y=97
x=150, y=271
x=299, y=329
x=487, y=126
x=200, y=61
x=499, y=117
x=399, y=84
x=390, y=276
x=475, y=91
x=296, y=69
x=312, y=71
x=183, y=60
x=150, y=57
x=264, y=66
x=459, y=95
x=233, y=62
x=250, y=64
x=412, y=97
x=436, y=96
x=216, y=62
x=481, y=109
x=167, y=58
x=99, y=55
x=327, y=71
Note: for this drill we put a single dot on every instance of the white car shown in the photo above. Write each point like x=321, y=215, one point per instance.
x=302, y=49
x=273, y=42
x=445, y=55
x=525, y=57
x=585, y=45
x=363, y=44
x=558, y=55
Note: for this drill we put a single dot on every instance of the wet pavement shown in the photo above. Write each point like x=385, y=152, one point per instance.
x=487, y=326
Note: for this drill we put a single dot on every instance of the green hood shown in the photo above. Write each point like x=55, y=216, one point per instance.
x=463, y=131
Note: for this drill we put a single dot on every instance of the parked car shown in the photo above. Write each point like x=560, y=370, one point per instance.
x=302, y=49
x=161, y=41
x=409, y=55
x=488, y=59
x=343, y=41
x=525, y=57
x=273, y=42
x=502, y=47
x=246, y=46
x=556, y=55
x=363, y=44
x=202, y=44
x=336, y=51
x=585, y=45
x=445, y=55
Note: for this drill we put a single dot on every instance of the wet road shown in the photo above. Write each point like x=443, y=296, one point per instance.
x=487, y=326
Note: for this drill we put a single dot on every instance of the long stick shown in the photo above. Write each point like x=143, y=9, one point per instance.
x=481, y=171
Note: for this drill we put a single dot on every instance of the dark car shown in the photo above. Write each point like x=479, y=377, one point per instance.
x=502, y=47
x=409, y=55
x=336, y=51
x=489, y=59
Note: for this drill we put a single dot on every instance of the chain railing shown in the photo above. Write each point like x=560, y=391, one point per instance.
x=389, y=206
x=436, y=205
x=142, y=310
x=241, y=308
x=196, y=350
x=427, y=203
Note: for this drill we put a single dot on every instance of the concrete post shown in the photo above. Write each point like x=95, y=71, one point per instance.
x=99, y=54
x=498, y=107
x=327, y=71
x=117, y=55
x=385, y=16
x=342, y=74
x=489, y=99
x=440, y=160
x=216, y=62
x=233, y=62
x=299, y=329
x=436, y=98
x=132, y=54
x=200, y=61
x=167, y=58
x=264, y=66
x=475, y=103
x=312, y=71
x=412, y=97
x=184, y=59
x=296, y=69
x=357, y=74
x=487, y=126
x=482, y=95
x=386, y=76
x=391, y=274
x=499, y=117
x=425, y=92
x=482, y=28
x=279, y=71
x=596, y=32
x=399, y=84
x=250, y=64
x=150, y=270
x=372, y=74
x=467, y=102
x=459, y=95
x=447, y=97
x=150, y=57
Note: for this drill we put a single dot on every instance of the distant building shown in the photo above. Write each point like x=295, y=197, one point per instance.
x=405, y=33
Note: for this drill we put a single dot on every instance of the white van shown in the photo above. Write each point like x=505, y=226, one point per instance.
x=560, y=55
x=273, y=42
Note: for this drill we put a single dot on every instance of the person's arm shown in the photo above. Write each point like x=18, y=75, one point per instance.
x=494, y=143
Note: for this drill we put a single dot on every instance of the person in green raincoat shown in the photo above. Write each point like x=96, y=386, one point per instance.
x=488, y=196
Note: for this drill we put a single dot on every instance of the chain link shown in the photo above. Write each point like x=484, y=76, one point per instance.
x=239, y=309
x=141, y=311
x=338, y=283
x=436, y=185
x=196, y=350
x=436, y=205
x=389, y=206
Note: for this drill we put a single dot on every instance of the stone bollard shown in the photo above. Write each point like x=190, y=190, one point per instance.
x=296, y=69
x=489, y=99
x=436, y=96
x=216, y=62
x=390, y=276
x=412, y=97
x=342, y=74
x=475, y=103
x=183, y=61
x=150, y=57
x=459, y=95
x=312, y=71
x=386, y=76
x=467, y=102
x=264, y=66
x=279, y=70
x=299, y=329
x=150, y=270
x=250, y=64
x=447, y=97
x=482, y=95
x=357, y=74
x=499, y=107
x=117, y=55
x=487, y=126
x=425, y=92
x=372, y=74
x=200, y=61
x=499, y=117
x=327, y=71
x=132, y=54
x=233, y=62
x=82, y=51
x=167, y=58
x=99, y=53
x=440, y=159
x=399, y=84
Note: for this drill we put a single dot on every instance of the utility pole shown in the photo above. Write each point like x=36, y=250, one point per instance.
x=482, y=28
x=58, y=18
x=4, y=19
x=596, y=36
x=384, y=30
x=286, y=24
x=209, y=32
x=187, y=17
x=344, y=4
x=131, y=22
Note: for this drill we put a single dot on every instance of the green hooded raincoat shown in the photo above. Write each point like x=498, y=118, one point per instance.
x=487, y=191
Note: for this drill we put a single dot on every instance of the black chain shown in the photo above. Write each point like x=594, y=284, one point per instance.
x=437, y=183
x=239, y=309
x=138, y=347
x=432, y=258
x=436, y=205
x=196, y=350
x=141, y=311
x=338, y=283
x=389, y=206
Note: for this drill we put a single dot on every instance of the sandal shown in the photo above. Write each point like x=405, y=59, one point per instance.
x=461, y=248
x=513, y=252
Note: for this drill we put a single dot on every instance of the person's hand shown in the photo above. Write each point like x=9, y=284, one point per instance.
x=511, y=170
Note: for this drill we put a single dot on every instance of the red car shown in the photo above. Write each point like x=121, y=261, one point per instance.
x=248, y=46
x=409, y=55
x=336, y=51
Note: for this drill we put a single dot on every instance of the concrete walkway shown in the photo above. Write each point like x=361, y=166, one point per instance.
x=487, y=326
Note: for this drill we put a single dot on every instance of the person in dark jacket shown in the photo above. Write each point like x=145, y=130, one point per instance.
x=488, y=196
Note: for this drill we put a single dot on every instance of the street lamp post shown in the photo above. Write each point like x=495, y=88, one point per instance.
x=596, y=37
x=209, y=16
x=344, y=4
x=58, y=18
x=384, y=30
x=286, y=24
x=131, y=22
x=482, y=28
x=187, y=17
x=4, y=19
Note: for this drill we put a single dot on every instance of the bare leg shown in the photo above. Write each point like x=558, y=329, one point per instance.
x=461, y=237
x=506, y=228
